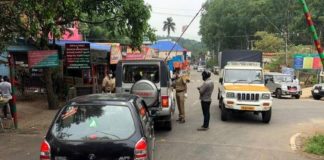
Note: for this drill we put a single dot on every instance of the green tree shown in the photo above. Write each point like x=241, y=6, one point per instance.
x=169, y=25
x=232, y=24
x=268, y=42
x=36, y=19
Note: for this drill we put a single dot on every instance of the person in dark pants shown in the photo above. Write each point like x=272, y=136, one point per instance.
x=205, y=91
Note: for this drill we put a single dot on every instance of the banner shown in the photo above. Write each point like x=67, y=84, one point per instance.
x=77, y=55
x=145, y=53
x=307, y=61
x=43, y=59
x=115, y=54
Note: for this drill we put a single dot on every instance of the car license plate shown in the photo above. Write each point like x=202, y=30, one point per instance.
x=316, y=91
x=292, y=90
x=248, y=108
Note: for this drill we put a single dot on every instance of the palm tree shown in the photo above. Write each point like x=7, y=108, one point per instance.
x=169, y=25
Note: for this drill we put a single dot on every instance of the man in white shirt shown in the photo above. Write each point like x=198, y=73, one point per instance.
x=295, y=80
x=5, y=88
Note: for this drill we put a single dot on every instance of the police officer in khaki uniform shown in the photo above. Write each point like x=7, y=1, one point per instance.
x=180, y=86
x=108, y=83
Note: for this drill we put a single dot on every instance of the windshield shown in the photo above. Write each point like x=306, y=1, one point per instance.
x=283, y=78
x=134, y=73
x=94, y=123
x=243, y=76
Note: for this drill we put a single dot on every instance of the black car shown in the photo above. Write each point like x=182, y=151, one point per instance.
x=99, y=127
x=318, y=91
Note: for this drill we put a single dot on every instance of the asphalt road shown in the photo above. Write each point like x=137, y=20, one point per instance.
x=243, y=137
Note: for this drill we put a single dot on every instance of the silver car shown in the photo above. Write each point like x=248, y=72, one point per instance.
x=151, y=80
x=201, y=68
x=282, y=84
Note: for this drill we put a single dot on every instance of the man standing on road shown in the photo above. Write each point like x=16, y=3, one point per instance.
x=295, y=80
x=180, y=86
x=108, y=83
x=205, y=91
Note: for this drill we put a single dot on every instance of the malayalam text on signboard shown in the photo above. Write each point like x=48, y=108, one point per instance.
x=77, y=55
x=43, y=59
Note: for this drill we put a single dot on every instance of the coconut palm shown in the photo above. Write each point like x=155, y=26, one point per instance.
x=169, y=25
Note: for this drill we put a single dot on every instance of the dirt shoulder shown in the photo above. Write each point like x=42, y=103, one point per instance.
x=33, y=115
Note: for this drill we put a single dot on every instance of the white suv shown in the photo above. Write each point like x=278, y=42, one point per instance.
x=151, y=80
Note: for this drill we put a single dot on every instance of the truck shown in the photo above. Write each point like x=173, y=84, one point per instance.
x=241, y=84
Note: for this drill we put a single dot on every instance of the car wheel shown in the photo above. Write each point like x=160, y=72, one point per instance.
x=266, y=116
x=317, y=97
x=278, y=93
x=168, y=123
x=224, y=112
x=297, y=96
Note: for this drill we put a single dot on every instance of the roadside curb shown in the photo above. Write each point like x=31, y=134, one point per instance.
x=296, y=144
x=293, y=142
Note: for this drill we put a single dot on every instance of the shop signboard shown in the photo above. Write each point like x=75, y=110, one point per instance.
x=77, y=55
x=43, y=59
x=307, y=61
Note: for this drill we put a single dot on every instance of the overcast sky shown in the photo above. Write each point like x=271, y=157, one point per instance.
x=182, y=11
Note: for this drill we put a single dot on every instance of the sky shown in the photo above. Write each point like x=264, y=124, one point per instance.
x=182, y=12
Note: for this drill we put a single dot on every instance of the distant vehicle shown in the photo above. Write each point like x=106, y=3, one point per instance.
x=216, y=70
x=101, y=126
x=282, y=84
x=318, y=91
x=241, y=84
x=151, y=80
x=195, y=66
x=201, y=68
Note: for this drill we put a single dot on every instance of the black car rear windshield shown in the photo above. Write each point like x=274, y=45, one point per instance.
x=134, y=73
x=94, y=123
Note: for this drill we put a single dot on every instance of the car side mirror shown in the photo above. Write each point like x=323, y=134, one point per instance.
x=221, y=80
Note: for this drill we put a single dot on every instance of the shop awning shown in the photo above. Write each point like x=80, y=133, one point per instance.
x=20, y=48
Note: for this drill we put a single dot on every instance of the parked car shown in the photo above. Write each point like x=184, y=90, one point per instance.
x=282, y=85
x=151, y=80
x=201, y=68
x=195, y=66
x=216, y=70
x=100, y=126
x=318, y=91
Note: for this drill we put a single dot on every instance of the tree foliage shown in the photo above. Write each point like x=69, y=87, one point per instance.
x=232, y=24
x=36, y=19
x=268, y=42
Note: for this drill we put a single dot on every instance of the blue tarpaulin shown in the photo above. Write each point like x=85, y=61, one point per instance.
x=166, y=45
x=177, y=58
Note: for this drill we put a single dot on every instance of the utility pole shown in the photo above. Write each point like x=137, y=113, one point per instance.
x=286, y=45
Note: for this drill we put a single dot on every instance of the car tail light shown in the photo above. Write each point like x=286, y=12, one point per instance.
x=165, y=101
x=45, y=151
x=141, y=150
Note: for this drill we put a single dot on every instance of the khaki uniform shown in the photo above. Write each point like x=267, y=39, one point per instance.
x=108, y=84
x=181, y=88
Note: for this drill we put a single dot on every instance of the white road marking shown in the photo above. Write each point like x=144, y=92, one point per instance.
x=293, y=141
